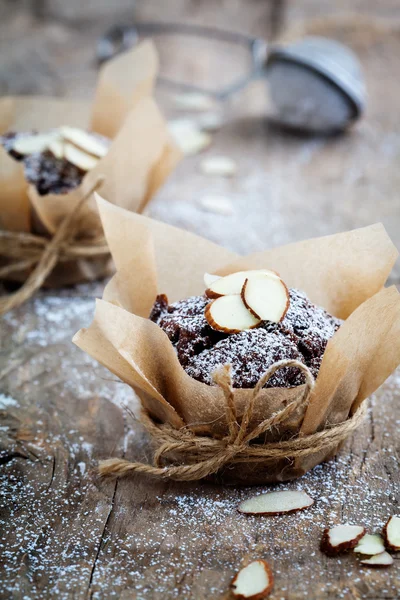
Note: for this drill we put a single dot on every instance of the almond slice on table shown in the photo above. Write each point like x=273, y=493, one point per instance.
x=370, y=544
x=79, y=158
x=266, y=297
x=341, y=538
x=378, y=560
x=219, y=205
x=189, y=138
x=229, y=314
x=34, y=143
x=391, y=534
x=194, y=101
x=233, y=283
x=218, y=165
x=209, y=279
x=210, y=121
x=276, y=503
x=253, y=582
x=84, y=140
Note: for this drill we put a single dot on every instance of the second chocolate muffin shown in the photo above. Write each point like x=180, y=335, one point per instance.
x=48, y=167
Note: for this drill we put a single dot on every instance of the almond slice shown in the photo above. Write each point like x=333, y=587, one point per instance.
x=33, y=143
x=233, y=283
x=210, y=121
x=229, y=314
x=266, y=297
x=341, y=538
x=80, y=159
x=188, y=136
x=218, y=165
x=56, y=147
x=391, y=534
x=84, y=140
x=219, y=205
x=370, y=544
x=194, y=101
x=276, y=503
x=253, y=582
x=209, y=279
x=378, y=560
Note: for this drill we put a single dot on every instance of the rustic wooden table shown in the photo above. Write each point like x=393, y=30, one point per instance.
x=65, y=534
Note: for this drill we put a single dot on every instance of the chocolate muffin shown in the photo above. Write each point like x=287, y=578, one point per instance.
x=55, y=162
x=302, y=334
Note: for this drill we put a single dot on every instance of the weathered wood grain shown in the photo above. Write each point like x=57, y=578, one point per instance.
x=63, y=533
x=66, y=534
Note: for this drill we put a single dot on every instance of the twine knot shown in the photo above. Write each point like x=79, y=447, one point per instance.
x=190, y=457
x=26, y=251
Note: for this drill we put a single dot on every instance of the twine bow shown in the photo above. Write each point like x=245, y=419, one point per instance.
x=26, y=250
x=200, y=456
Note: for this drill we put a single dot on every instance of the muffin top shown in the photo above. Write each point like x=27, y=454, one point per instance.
x=302, y=335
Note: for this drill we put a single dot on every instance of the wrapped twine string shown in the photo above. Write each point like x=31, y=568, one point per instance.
x=201, y=456
x=25, y=250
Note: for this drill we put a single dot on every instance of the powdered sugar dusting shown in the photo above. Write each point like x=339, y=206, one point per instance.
x=302, y=335
x=249, y=353
x=7, y=401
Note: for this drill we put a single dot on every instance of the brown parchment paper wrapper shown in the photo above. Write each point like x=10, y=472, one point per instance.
x=345, y=273
x=140, y=158
x=23, y=114
x=121, y=83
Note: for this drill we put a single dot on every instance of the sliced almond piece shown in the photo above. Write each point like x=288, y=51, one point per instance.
x=253, y=582
x=218, y=165
x=84, y=140
x=79, y=158
x=209, y=279
x=266, y=297
x=188, y=136
x=341, y=538
x=194, y=101
x=210, y=121
x=220, y=205
x=33, y=143
x=391, y=534
x=56, y=147
x=229, y=314
x=378, y=560
x=276, y=503
x=233, y=283
x=370, y=544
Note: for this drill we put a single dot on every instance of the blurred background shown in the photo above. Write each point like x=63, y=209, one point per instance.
x=284, y=185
